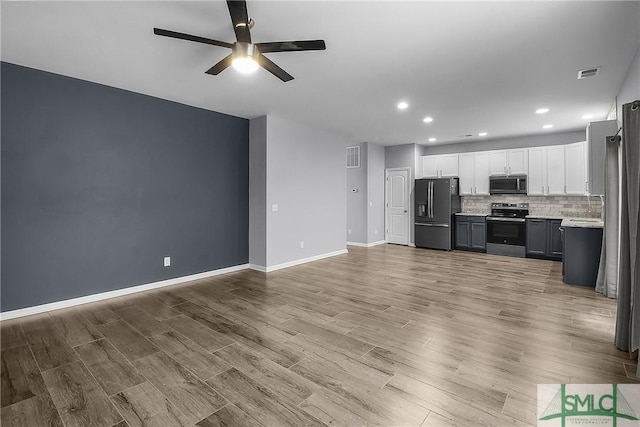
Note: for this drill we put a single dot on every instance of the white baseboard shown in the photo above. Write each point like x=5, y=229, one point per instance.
x=367, y=245
x=27, y=311
x=296, y=262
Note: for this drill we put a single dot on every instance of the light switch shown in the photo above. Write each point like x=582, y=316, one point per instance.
x=274, y=208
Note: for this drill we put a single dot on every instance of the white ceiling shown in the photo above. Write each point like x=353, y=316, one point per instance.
x=473, y=66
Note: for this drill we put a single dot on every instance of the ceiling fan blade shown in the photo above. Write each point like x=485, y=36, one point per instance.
x=271, y=67
x=240, y=19
x=292, y=46
x=191, y=38
x=220, y=66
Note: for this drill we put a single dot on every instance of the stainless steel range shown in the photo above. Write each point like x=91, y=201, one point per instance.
x=506, y=229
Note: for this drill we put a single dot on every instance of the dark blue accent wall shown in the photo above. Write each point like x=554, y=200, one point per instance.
x=99, y=184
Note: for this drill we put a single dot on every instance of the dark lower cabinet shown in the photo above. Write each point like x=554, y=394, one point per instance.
x=544, y=238
x=471, y=233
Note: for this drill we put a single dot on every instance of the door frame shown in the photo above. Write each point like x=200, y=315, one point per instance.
x=407, y=200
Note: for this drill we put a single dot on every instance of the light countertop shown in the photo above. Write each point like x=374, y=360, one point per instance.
x=582, y=222
x=543, y=216
x=471, y=214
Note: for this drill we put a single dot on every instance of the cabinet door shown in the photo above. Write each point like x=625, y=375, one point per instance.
x=498, y=162
x=537, y=177
x=554, y=239
x=537, y=237
x=555, y=170
x=575, y=168
x=463, y=234
x=481, y=174
x=466, y=174
x=448, y=165
x=478, y=235
x=430, y=166
x=517, y=162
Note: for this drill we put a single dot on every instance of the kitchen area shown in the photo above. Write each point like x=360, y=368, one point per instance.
x=534, y=202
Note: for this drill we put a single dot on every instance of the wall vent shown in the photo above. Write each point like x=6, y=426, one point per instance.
x=353, y=157
x=589, y=72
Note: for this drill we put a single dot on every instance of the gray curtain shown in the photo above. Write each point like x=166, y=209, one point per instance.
x=607, y=282
x=628, y=315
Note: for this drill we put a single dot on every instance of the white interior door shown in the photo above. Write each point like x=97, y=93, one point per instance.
x=397, y=206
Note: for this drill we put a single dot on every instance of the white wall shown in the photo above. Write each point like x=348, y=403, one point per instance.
x=357, y=201
x=258, y=191
x=630, y=89
x=306, y=177
x=375, y=193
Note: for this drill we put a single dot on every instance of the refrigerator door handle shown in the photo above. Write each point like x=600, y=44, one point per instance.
x=431, y=201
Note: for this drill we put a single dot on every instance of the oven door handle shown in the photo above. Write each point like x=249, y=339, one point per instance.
x=489, y=218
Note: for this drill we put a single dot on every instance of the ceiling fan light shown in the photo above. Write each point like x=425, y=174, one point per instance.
x=244, y=57
x=245, y=64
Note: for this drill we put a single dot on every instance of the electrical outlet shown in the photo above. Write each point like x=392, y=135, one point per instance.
x=349, y=231
x=375, y=231
x=167, y=261
x=301, y=244
x=370, y=204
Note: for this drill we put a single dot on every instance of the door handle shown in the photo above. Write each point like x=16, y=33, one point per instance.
x=405, y=211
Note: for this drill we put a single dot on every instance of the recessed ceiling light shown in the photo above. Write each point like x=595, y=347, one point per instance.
x=542, y=110
x=587, y=116
x=432, y=140
x=482, y=134
x=402, y=105
x=547, y=126
x=428, y=119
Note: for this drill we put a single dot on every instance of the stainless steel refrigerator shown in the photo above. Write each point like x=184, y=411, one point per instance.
x=436, y=202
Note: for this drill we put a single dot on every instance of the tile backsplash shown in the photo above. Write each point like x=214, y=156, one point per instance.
x=554, y=206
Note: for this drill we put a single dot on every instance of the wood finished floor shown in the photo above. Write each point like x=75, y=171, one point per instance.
x=388, y=335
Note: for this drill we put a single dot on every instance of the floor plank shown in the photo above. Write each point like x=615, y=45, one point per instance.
x=191, y=396
x=78, y=397
x=258, y=401
x=229, y=416
x=144, y=406
x=203, y=336
x=11, y=334
x=49, y=347
x=127, y=341
x=36, y=411
x=21, y=377
x=110, y=368
x=142, y=321
x=76, y=328
x=190, y=355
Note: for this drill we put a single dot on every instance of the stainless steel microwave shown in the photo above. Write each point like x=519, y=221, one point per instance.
x=514, y=184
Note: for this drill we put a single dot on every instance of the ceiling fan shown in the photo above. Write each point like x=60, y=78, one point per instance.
x=247, y=56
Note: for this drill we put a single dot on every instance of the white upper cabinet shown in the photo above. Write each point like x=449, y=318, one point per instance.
x=467, y=180
x=555, y=170
x=575, y=172
x=508, y=162
x=481, y=173
x=537, y=178
x=449, y=165
x=430, y=166
x=517, y=161
x=441, y=166
x=546, y=171
x=474, y=174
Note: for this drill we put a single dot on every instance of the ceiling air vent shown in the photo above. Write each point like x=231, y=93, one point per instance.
x=589, y=72
x=353, y=157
